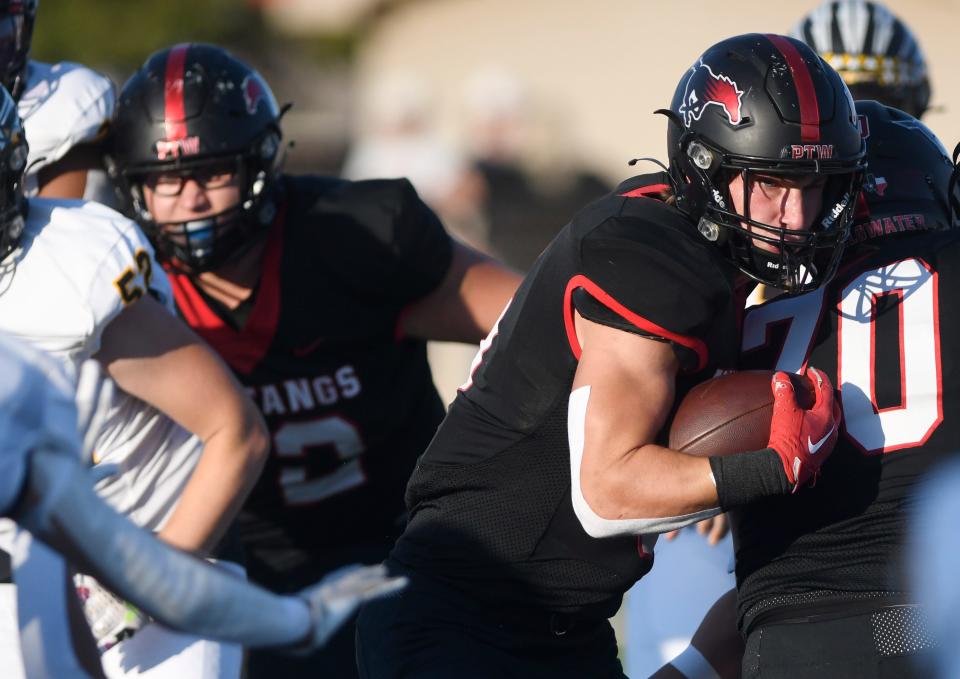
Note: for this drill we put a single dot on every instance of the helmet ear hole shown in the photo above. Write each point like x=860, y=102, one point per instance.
x=269, y=146
x=110, y=165
x=710, y=230
x=700, y=155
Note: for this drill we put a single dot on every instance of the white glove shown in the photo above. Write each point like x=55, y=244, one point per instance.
x=335, y=599
x=111, y=619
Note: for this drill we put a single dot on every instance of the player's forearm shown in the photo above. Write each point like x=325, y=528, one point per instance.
x=622, y=397
x=655, y=481
x=467, y=304
x=623, y=489
x=226, y=473
x=179, y=590
x=658, y=488
x=661, y=489
x=486, y=288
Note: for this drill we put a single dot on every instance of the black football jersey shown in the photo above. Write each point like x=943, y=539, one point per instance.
x=349, y=402
x=490, y=500
x=884, y=330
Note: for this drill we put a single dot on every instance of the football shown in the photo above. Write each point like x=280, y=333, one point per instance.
x=730, y=414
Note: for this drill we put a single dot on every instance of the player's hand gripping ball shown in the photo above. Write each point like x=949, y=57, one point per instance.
x=796, y=415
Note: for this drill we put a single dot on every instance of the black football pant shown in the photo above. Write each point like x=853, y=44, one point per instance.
x=887, y=643
x=431, y=631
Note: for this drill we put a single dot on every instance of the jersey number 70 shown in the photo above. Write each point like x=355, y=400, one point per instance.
x=873, y=429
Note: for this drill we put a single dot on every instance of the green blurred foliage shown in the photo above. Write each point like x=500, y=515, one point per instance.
x=325, y=48
x=119, y=34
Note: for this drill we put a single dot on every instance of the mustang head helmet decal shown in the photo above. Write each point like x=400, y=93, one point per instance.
x=704, y=87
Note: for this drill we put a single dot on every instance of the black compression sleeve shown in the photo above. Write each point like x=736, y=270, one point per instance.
x=748, y=477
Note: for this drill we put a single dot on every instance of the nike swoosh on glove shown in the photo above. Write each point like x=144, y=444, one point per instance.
x=802, y=438
x=335, y=599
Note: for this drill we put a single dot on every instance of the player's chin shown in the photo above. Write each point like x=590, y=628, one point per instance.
x=764, y=246
x=774, y=248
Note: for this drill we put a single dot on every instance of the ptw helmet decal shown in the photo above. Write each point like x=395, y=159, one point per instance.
x=704, y=88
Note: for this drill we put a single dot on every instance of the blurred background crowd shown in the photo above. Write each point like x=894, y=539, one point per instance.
x=507, y=117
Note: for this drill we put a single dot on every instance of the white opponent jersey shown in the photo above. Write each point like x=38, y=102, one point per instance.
x=79, y=264
x=64, y=105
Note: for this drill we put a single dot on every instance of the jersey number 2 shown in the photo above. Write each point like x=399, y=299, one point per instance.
x=870, y=427
x=292, y=442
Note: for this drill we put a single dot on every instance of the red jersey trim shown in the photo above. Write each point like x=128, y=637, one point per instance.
x=174, y=112
x=646, y=191
x=699, y=347
x=806, y=93
x=244, y=349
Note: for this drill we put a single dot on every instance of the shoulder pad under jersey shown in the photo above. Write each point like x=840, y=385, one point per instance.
x=63, y=105
x=79, y=265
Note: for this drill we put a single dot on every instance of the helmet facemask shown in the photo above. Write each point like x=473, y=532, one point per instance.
x=205, y=243
x=798, y=260
x=13, y=164
x=16, y=32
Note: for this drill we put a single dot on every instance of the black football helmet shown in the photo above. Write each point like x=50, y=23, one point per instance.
x=875, y=53
x=908, y=176
x=766, y=104
x=190, y=107
x=16, y=31
x=13, y=162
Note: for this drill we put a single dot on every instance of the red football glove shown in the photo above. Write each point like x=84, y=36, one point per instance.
x=802, y=438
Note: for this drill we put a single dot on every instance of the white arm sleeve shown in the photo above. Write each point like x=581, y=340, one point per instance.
x=178, y=590
x=595, y=525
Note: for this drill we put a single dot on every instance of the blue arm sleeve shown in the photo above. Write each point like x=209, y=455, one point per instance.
x=178, y=590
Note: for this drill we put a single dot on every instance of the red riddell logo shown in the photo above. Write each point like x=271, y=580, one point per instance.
x=175, y=148
x=252, y=93
x=704, y=87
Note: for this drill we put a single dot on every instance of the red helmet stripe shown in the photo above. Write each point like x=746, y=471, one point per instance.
x=806, y=94
x=173, y=108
